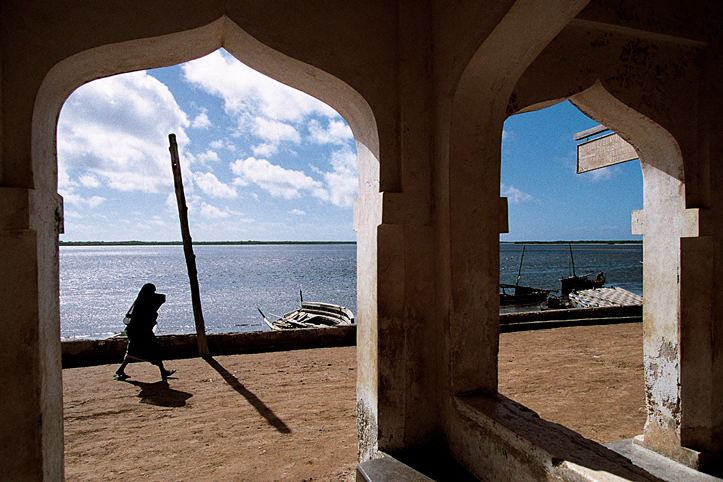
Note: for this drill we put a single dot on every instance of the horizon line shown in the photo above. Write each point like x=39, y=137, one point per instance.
x=252, y=242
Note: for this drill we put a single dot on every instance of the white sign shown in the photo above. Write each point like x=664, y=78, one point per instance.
x=603, y=151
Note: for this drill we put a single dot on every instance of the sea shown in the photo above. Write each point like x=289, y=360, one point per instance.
x=99, y=283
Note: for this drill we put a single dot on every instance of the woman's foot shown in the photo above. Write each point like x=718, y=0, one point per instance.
x=167, y=373
x=120, y=376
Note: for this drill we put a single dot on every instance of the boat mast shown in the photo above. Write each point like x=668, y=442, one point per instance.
x=519, y=272
x=572, y=260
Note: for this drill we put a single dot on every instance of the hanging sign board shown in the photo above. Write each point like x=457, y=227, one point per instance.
x=603, y=151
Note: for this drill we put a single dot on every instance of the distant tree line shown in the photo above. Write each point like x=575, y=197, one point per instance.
x=197, y=243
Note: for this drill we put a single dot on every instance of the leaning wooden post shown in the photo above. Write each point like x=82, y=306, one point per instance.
x=188, y=247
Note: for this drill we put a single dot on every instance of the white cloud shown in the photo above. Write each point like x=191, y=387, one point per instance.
x=208, y=156
x=275, y=131
x=117, y=129
x=69, y=197
x=201, y=121
x=514, y=195
x=265, y=150
x=274, y=179
x=223, y=144
x=338, y=132
x=342, y=182
x=210, y=185
x=212, y=212
x=89, y=181
x=243, y=89
x=298, y=212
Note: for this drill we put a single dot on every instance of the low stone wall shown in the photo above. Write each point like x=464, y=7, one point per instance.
x=79, y=353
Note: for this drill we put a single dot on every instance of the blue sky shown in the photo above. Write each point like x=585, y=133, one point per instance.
x=262, y=161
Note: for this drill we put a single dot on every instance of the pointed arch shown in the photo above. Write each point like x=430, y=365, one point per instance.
x=652, y=142
x=170, y=49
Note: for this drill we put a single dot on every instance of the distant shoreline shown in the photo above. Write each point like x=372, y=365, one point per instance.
x=243, y=243
x=196, y=243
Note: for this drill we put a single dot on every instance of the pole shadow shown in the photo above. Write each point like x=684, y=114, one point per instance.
x=255, y=402
x=160, y=393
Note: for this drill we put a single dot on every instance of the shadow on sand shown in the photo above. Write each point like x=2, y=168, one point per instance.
x=255, y=402
x=159, y=393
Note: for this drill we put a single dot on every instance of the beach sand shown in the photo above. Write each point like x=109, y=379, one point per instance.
x=290, y=416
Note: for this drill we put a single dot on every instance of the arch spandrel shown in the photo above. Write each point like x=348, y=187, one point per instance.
x=652, y=74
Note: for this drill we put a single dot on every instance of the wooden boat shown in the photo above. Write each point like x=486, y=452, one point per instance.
x=577, y=283
x=311, y=315
x=521, y=294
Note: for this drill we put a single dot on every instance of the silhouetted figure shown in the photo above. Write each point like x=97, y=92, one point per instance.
x=140, y=321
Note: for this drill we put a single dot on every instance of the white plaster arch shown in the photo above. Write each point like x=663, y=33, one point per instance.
x=674, y=243
x=478, y=110
x=671, y=249
x=110, y=59
x=657, y=146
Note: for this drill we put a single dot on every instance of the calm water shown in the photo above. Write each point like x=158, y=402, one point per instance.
x=98, y=283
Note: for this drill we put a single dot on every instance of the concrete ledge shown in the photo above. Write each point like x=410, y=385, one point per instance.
x=79, y=353
x=662, y=467
x=511, y=439
x=388, y=468
x=422, y=465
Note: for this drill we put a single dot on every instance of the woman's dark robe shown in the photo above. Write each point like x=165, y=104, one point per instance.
x=142, y=315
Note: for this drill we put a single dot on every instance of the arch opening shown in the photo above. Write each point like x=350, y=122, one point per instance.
x=586, y=378
x=107, y=60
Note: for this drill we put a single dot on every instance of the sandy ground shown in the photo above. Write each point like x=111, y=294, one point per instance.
x=290, y=416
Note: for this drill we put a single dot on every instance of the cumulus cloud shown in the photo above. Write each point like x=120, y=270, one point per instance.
x=223, y=144
x=274, y=179
x=338, y=186
x=265, y=150
x=298, y=212
x=337, y=132
x=201, y=121
x=88, y=181
x=90, y=202
x=208, y=156
x=210, y=185
x=514, y=195
x=212, y=212
x=245, y=90
x=116, y=129
x=275, y=131
x=342, y=182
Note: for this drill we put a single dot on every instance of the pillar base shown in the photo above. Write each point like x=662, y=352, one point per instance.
x=700, y=461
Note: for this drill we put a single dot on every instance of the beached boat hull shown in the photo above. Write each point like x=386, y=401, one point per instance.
x=312, y=315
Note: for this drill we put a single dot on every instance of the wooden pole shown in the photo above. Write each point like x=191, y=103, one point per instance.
x=188, y=247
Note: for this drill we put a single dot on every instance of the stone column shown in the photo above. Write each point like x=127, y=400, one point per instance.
x=31, y=407
x=678, y=345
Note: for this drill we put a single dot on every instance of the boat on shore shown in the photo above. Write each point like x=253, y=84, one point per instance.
x=577, y=283
x=521, y=295
x=311, y=315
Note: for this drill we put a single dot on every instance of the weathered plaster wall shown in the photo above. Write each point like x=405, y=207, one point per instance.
x=426, y=87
